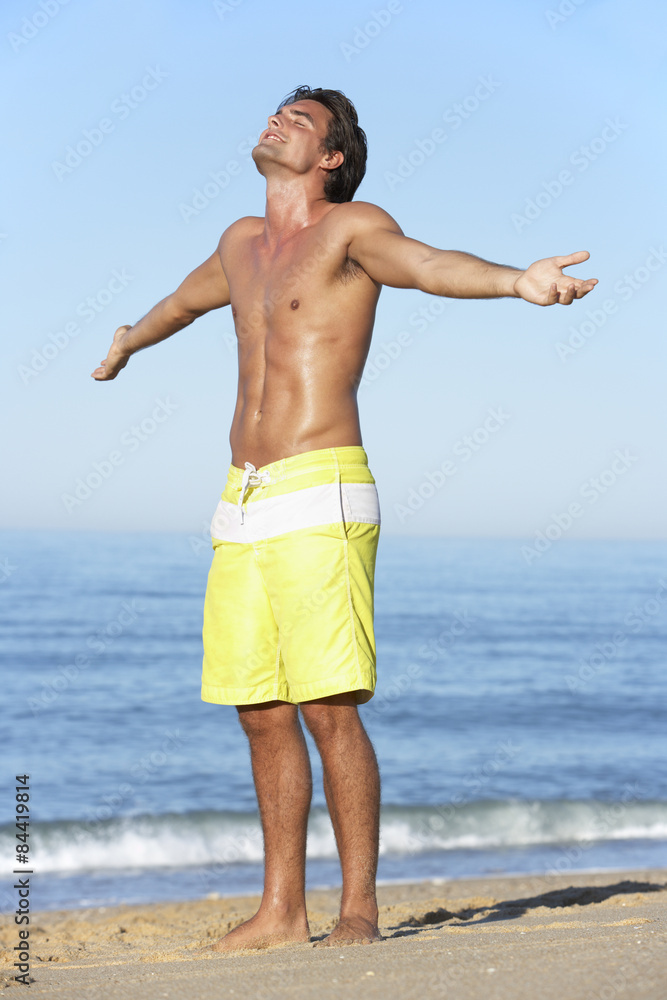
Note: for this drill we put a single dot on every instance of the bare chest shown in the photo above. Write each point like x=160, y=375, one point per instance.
x=289, y=281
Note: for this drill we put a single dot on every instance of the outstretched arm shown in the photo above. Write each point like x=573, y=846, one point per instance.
x=391, y=258
x=204, y=289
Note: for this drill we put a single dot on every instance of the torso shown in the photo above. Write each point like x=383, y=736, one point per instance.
x=304, y=316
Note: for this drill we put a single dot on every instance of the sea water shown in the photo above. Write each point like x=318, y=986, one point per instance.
x=519, y=717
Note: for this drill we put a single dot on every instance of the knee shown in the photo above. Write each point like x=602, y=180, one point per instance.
x=325, y=721
x=259, y=721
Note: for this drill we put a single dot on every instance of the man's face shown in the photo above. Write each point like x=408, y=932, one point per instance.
x=293, y=137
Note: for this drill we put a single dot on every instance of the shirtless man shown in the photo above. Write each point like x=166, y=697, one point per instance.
x=288, y=617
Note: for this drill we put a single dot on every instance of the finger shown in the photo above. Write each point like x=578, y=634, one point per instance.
x=587, y=287
x=569, y=295
x=573, y=258
x=566, y=295
x=552, y=297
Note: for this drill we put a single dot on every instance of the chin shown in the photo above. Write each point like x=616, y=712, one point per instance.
x=260, y=149
x=262, y=153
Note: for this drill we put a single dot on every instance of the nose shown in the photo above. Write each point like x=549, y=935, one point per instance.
x=274, y=121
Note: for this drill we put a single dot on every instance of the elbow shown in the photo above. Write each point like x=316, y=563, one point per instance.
x=429, y=284
x=178, y=314
x=422, y=284
x=429, y=278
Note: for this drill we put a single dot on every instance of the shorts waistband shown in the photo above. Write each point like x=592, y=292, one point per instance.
x=344, y=457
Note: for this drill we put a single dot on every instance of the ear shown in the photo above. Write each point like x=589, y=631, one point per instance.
x=332, y=160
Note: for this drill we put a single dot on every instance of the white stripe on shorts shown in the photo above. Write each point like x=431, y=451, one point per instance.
x=292, y=511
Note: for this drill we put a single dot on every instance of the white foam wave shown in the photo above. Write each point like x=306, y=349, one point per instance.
x=215, y=840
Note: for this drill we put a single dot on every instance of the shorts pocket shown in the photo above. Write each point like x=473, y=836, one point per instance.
x=360, y=503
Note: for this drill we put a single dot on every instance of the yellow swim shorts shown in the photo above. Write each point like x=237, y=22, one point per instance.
x=288, y=613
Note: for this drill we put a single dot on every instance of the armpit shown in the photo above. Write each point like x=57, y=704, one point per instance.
x=349, y=270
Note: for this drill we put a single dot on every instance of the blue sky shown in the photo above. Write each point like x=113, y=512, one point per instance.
x=480, y=418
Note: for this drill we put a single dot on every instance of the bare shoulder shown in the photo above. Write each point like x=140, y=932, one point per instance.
x=356, y=217
x=248, y=225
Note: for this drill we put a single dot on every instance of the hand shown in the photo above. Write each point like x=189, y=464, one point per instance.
x=115, y=360
x=545, y=284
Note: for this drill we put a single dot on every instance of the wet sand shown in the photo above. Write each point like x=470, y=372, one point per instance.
x=584, y=936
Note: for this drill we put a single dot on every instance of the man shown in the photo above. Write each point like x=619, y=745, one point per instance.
x=288, y=617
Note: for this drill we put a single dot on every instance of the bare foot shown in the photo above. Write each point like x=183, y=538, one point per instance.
x=352, y=930
x=265, y=931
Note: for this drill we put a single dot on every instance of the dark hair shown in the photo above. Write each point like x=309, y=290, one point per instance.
x=343, y=134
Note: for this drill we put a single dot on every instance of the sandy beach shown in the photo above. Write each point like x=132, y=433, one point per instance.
x=586, y=935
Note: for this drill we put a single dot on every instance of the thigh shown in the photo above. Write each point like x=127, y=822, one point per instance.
x=240, y=633
x=320, y=582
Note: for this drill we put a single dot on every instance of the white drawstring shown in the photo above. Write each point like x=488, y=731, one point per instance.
x=251, y=477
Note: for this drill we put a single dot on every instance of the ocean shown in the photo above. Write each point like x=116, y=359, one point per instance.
x=519, y=718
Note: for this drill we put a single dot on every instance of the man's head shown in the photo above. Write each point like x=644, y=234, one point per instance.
x=331, y=120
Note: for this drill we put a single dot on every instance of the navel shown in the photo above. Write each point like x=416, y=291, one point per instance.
x=294, y=304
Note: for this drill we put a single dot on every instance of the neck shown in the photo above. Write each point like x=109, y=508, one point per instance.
x=291, y=205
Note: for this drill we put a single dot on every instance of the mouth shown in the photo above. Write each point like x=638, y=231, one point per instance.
x=273, y=137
